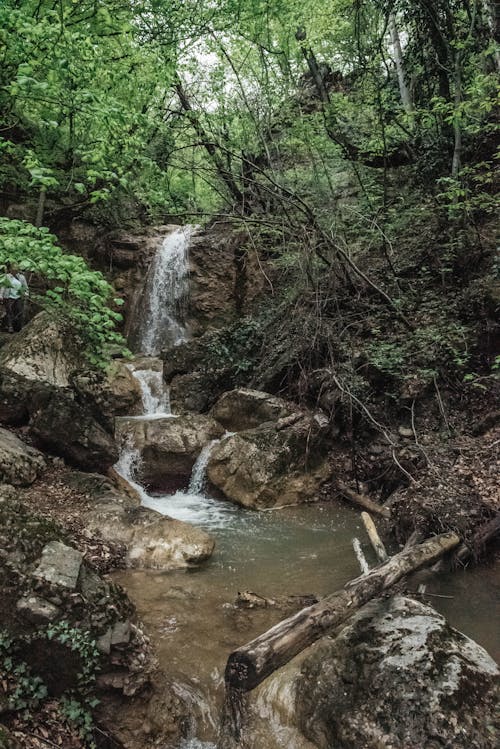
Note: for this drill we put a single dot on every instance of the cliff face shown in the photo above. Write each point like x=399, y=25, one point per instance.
x=225, y=272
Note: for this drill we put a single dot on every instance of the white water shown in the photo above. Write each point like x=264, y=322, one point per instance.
x=162, y=308
x=155, y=397
x=197, y=481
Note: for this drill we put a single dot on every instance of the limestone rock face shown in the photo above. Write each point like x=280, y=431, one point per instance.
x=115, y=393
x=42, y=352
x=242, y=409
x=153, y=541
x=20, y=464
x=398, y=676
x=274, y=465
x=168, y=447
x=62, y=426
x=225, y=276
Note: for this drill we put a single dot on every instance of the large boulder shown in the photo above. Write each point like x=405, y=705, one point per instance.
x=45, y=352
x=152, y=540
x=276, y=464
x=42, y=351
x=115, y=392
x=398, y=676
x=168, y=447
x=62, y=426
x=243, y=409
x=69, y=408
x=20, y=464
x=197, y=391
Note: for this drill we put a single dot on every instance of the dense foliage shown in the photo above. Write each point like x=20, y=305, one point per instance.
x=77, y=295
x=333, y=130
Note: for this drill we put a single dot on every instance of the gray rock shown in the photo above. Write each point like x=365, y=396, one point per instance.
x=63, y=426
x=120, y=634
x=152, y=540
x=42, y=351
x=398, y=676
x=60, y=565
x=20, y=464
x=277, y=464
x=104, y=642
x=242, y=409
x=406, y=432
x=37, y=610
x=169, y=447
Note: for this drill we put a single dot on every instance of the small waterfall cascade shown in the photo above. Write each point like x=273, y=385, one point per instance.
x=155, y=396
x=162, y=307
x=198, y=475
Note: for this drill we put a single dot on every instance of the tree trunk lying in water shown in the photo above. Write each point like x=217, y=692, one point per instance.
x=251, y=664
x=362, y=500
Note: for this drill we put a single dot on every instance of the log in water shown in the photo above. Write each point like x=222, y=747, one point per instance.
x=251, y=664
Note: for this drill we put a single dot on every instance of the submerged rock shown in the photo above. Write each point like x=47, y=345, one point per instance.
x=277, y=464
x=398, y=676
x=20, y=464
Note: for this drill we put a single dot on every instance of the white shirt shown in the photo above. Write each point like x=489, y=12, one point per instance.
x=15, y=288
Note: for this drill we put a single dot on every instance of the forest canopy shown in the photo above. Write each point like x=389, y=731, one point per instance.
x=275, y=112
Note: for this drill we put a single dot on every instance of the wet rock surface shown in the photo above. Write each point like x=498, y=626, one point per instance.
x=399, y=676
x=274, y=465
x=168, y=447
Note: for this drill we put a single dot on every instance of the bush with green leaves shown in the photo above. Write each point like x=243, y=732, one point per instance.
x=26, y=690
x=76, y=295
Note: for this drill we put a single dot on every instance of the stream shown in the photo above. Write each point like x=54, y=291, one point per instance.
x=191, y=615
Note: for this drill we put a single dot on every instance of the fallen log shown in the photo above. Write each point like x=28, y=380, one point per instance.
x=375, y=539
x=251, y=664
x=362, y=500
x=481, y=537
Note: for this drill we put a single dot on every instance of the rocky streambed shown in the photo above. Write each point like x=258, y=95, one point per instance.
x=209, y=521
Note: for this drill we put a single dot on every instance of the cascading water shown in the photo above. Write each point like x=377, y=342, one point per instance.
x=154, y=394
x=162, y=308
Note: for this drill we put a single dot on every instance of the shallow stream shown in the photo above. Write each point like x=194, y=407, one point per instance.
x=194, y=624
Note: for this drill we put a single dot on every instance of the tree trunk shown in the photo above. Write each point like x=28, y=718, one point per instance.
x=248, y=666
x=456, y=164
x=41, y=206
x=398, y=59
x=362, y=500
x=375, y=539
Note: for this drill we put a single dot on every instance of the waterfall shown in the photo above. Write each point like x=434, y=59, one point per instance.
x=155, y=397
x=127, y=465
x=198, y=475
x=160, y=323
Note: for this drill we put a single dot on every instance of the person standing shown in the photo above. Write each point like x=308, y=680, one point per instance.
x=14, y=291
